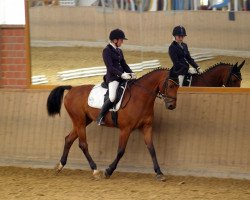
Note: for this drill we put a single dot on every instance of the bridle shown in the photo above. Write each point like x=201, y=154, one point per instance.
x=229, y=79
x=163, y=95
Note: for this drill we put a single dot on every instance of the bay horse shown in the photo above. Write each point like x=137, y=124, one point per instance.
x=138, y=113
x=219, y=75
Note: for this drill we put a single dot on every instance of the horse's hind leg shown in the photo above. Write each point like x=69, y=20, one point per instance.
x=147, y=133
x=69, y=140
x=83, y=145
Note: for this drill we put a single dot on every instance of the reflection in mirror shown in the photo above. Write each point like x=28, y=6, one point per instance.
x=68, y=36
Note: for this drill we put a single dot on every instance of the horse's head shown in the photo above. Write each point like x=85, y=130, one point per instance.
x=158, y=83
x=168, y=90
x=233, y=79
x=220, y=75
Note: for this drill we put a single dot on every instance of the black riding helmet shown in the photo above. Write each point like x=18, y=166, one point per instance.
x=179, y=30
x=117, y=34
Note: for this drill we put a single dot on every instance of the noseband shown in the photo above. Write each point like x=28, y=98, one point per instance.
x=164, y=95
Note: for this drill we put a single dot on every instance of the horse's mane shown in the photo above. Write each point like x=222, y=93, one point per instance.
x=215, y=66
x=146, y=75
x=205, y=71
x=154, y=70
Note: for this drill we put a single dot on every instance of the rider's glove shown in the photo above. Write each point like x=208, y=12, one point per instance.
x=125, y=76
x=133, y=75
x=192, y=70
x=199, y=70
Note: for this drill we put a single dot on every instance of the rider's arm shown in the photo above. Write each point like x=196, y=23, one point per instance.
x=124, y=65
x=189, y=58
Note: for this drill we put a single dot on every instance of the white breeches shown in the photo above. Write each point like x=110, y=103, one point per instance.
x=112, y=90
x=181, y=78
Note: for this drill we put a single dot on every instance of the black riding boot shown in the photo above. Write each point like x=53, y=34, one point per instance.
x=105, y=108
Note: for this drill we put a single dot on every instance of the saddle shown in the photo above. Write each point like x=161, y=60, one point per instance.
x=99, y=94
x=187, y=80
x=119, y=94
x=188, y=77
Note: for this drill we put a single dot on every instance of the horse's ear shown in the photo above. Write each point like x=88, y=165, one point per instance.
x=241, y=65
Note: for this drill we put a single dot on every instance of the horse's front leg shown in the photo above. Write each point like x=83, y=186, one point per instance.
x=147, y=133
x=124, y=135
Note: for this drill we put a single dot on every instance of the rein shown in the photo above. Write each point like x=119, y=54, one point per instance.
x=159, y=94
x=162, y=95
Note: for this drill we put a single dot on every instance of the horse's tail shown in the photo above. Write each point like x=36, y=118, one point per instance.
x=54, y=100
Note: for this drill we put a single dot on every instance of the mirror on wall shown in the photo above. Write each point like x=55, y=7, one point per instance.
x=68, y=37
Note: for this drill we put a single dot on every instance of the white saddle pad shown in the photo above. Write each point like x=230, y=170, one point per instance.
x=96, y=97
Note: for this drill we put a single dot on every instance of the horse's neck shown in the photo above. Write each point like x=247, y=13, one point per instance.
x=151, y=81
x=211, y=78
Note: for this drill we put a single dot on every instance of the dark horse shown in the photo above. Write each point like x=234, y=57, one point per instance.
x=137, y=113
x=219, y=75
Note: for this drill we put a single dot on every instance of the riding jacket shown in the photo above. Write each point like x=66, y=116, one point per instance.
x=115, y=63
x=181, y=58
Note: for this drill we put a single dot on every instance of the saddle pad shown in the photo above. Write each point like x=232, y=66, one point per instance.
x=96, y=97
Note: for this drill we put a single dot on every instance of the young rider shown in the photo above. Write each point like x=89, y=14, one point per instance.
x=117, y=69
x=180, y=56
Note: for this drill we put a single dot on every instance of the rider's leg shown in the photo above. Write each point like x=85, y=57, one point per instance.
x=109, y=102
x=181, y=78
x=112, y=90
x=105, y=108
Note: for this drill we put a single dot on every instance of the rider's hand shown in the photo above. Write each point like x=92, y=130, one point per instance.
x=192, y=70
x=133, y=75
x=126, y=76
x=199, y=70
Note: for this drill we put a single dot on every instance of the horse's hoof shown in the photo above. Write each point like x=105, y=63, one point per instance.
x=58, y=167
x=106, y=175
x=160, y=177
x=97, y=174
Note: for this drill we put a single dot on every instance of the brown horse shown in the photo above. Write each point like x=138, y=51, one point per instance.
x=219, y=75
x=137, y=113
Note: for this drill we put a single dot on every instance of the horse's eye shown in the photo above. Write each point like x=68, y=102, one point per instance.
x=171, y=86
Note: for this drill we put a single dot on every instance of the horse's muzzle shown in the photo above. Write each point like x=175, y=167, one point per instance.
x=171, y=107
x=171, y=104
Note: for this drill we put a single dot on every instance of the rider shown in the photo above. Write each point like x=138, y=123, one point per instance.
x=180, y=55
x=117, y=69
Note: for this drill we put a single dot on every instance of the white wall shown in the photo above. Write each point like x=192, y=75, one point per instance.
x=12, y=12
x=85, y=2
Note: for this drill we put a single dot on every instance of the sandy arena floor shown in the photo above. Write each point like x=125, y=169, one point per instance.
x=50, y=60
x=44, y=184
x=23, y=183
